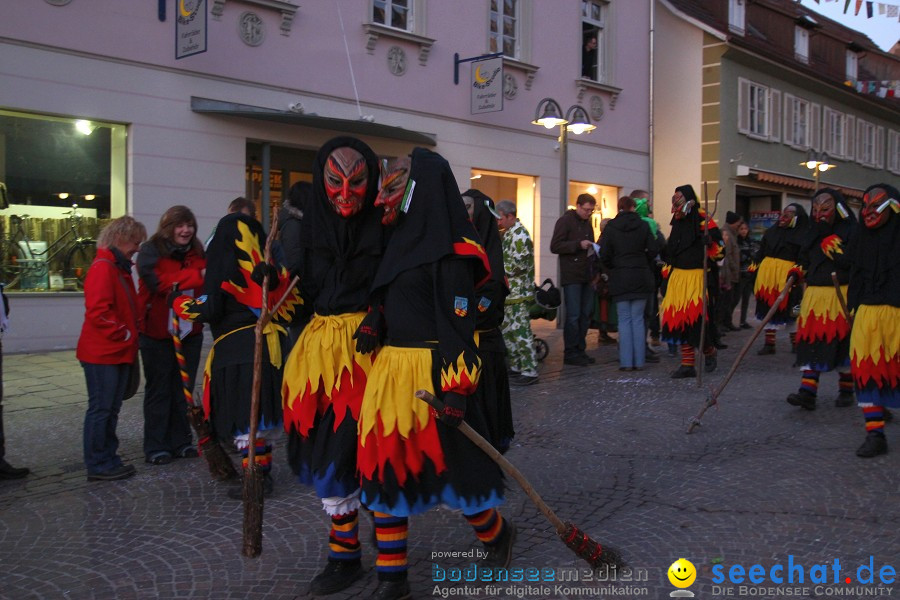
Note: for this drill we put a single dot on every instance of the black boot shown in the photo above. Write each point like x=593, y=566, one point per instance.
x=803, y=398
x=874, y=445
x=499, y=554
x=336, y=576
x=844, y=399
x=391, y=590
x=684, y=372
x=710, y=363
x=650, y=356
x=7, y=471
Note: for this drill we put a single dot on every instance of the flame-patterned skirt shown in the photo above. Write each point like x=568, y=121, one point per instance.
x=682, y=307
x=324, y=379
x=770, y=280
x=409, y=461
x=823, y=334
x=875, y=355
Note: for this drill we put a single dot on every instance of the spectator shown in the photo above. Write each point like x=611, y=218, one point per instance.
x=730, y=273
x=604, y=311
x=572, y=236
x=644, y=209
x=242, y=205
x=518, y=260
x=748, y=247
x=108, y=345
x=7, y=471
x=589, y=55
x=629, y=248
x=173, y=256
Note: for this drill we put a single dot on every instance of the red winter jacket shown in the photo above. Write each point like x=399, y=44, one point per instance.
x=157, y=276
x=109, y=335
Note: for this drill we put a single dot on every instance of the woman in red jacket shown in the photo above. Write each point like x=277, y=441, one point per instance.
x=108, y=344
x=173, y=256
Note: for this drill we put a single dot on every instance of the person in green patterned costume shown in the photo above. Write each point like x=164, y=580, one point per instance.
x=518, y=259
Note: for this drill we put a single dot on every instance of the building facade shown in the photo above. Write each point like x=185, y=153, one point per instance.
x=97, y=111
x=746, y=93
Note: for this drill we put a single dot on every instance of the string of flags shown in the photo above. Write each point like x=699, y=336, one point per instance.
x=884, y=9
x=882, y=89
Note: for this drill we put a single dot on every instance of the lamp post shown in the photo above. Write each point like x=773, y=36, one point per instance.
x=549, y=115
x=817, y=162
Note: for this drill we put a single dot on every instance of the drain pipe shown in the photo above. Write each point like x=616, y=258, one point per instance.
x=650, y=100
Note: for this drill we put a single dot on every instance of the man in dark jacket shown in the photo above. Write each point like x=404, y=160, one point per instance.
x=572, y=236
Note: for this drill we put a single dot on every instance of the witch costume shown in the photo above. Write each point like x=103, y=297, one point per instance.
x=823, y=330
x=231, y=304
x=325, y=375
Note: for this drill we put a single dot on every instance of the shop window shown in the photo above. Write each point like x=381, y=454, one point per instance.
x=61, y=180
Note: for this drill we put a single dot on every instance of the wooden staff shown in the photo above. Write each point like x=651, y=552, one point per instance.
x=713, y=398
x=220, y=465
x=704, y=294
x=578, y=541
x=840, y=296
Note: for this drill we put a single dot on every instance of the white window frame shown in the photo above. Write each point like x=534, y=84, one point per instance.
x=737, y=16
x=893, y=151
x=759, y=109
x=852, y=65
x=801, y=44
x=833, y=132
x=797, y=122
x=496, y=39
x=389, y=11
x=602, y=74
x=866, y=151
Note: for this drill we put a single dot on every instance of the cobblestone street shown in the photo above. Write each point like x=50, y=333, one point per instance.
x=761, y=482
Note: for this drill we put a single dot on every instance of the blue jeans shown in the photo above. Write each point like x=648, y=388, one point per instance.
x=106, y=389
x=632, y=336
x=579, y=299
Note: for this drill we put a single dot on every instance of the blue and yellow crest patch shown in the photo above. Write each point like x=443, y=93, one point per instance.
x=484, y=304
x=460, y=306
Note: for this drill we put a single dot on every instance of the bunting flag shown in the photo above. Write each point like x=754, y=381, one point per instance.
x=846, y=6
x=882, y=89
x=892, y=11
x=869, y=10
x=858, y=6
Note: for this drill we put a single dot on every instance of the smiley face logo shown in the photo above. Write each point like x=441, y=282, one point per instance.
x=682, y=573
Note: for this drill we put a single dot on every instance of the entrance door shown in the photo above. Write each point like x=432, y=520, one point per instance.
x=287, y=166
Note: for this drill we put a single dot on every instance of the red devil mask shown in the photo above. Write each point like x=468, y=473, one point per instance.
x=346, y=175
x=394, y=177
x=824, y=207
x=876, y=208
x=788, y=217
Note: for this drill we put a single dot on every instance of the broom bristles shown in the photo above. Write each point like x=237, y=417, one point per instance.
x=595, y=554
x=220, y=465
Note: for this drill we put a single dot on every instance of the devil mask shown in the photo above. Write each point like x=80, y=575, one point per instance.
x=683, y=201
x=824, y=208
x=346, y=176
x=788, y=217
x=878, y=203
x=394, y=178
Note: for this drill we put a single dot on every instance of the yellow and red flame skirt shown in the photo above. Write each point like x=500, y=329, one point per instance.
x=770, y=280
x=682, y=307
x=823, y=333
x=409, y=461
x=875, y=355
x=324, y=379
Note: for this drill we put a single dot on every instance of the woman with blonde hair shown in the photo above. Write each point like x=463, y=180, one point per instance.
x=108, y=344
x=172, y=258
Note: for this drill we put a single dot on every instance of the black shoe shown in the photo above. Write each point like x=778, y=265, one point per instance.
x=578, y=361
x=684, y=372
x=710, y=363
x=803, y=398
x=730, y=327
x=845, y=399
x=187, y=452
x=523, y=380
x=498, y=555
x=874, y=445
x=236, y=490
x=7, y=471
x=391, y=590
x=336, y=576
x=766, y=349
x=604, y=339
x=590, y=359
x=122, y=472
x=159, y=458
x=720, y=346
x=650, y=356
x=746, y=325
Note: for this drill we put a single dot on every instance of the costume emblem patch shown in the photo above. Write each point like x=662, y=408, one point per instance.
x=484, y=304
x=460, y=306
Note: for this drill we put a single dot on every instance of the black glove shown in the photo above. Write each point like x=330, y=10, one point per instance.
x=173, y=296
x=370, y=332
x=261, y=270
x=454, y=409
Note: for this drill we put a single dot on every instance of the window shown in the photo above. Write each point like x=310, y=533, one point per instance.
x=393, y=13
x=62, y=180
x=797, y=130
x=504, y=28
x=852, y=65
x=801, y=44
x=736, y=16
x=833, y=123
x=759, y=111
x=865, y=143
x=594, y=15
x=893, y=151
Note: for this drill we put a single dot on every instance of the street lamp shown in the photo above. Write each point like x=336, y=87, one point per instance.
x=817, y=162
x=549, y=115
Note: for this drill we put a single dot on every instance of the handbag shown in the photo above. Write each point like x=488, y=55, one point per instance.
x=134, y=378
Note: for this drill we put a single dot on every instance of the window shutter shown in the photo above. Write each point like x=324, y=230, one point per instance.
x=879, y=147
x=743, y=105
x=893, y=152
x=850, y=137
x=775, y=115
x=827, y=126
x=815, y=127
x=790, y=109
